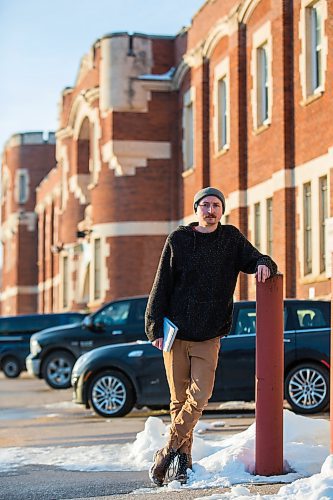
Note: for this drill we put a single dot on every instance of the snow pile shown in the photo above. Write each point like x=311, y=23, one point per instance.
x=224, y=462
x=317, y=487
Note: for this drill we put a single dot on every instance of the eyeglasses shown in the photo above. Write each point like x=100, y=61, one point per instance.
x=207, y=205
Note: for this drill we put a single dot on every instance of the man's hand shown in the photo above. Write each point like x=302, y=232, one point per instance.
x=263, y=273
x=158, y=343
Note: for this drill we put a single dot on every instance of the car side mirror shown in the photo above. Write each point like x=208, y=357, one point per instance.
x=88, y=322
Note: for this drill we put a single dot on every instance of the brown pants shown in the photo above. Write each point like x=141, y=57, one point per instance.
x=190, y=369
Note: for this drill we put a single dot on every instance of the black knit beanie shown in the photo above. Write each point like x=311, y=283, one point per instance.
x=208, y=191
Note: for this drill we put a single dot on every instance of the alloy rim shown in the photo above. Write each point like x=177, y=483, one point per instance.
x=108, y=394
x=59, y=371
x=11, y=368
x=307, y=388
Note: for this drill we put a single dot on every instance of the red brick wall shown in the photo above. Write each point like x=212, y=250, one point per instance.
x=38, y=159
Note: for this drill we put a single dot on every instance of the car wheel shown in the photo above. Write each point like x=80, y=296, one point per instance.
x=11, y=367
x=111, y=394
x=307, y=388
x=57, y=369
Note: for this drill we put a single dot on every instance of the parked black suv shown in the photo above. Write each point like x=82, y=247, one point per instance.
x=53, y=352
x=15, y=333
x=112, y=379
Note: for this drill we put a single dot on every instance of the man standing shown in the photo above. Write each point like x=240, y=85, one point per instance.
x=194, y=287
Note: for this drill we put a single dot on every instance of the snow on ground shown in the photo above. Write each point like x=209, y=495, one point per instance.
x=316, y=487
x=220, y=462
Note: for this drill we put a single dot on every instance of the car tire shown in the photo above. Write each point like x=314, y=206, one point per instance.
x=57, y=369
x=307, y=388
x=111, y=394
x=11, y=367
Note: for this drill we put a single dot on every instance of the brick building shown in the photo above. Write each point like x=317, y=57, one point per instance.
x=26, y=159
x=240, y=100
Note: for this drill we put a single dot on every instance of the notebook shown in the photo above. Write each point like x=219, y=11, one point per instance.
x=169, y=333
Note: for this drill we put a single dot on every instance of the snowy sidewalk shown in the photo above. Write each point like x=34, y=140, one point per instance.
x=223, y=467
x=266, y=489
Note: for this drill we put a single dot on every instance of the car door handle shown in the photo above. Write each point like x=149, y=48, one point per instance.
x=117, y=332
x=286, y=340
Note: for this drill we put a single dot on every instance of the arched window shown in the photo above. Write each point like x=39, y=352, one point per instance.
x=83, y=148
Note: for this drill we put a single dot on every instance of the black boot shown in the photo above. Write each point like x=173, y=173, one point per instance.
x=162, y=461
x=183, y=465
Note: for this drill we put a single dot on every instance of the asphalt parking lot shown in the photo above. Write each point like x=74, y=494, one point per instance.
x=34, y=416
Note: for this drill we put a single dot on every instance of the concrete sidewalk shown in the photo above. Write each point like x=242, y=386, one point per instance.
x=188, y=494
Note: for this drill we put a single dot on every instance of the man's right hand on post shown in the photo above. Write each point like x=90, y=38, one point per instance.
x=158, y=343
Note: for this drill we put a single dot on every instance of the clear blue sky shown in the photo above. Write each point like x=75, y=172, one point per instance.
x=43, y=41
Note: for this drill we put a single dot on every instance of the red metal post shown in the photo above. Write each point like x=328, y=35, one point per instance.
x=331, y=361
x=269, y=378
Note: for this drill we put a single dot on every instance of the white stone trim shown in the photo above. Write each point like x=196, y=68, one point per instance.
x=125, y=156
x=134, y=228
x=5, y=179
x=281, y=179
x=13, y=291
x=78, y=185
x=49, y=283
x=29, y=138
x=188, y=99
x=329, y=246
x=311, y=172
x=28, y=219
x=104, y=278
x=304, y=67
x=262, y=36
x=64, y=165
x=83, y=111
x=9, y=227
x=120, y=90
x=21, y=172
x=221, y=71
x=263, y=222
x=68, y=252
x=226, y=26
x=235, y=200
x=83, y=268
x=179, y=75
x=246, y=10
x=50, y=197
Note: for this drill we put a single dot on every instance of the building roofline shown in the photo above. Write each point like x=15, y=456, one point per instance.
x=30, y=138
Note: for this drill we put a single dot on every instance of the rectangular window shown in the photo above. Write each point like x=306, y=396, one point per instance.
x=189, y=136
x=269, y=222
x=262, y=85
x=257, y=228
x=323, y=214
x=222, y=113
x=314, y=47
x=97, y=269
x=65, y=281
x=23, y=191
x=307, y=228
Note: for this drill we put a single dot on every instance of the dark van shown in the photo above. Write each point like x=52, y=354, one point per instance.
x=15, y=333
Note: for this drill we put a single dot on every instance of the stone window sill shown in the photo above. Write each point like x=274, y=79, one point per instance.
x=312, y=98
x=187, y=172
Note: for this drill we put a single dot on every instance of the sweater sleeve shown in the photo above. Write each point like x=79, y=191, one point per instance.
x=160, y=294
x=250, y=258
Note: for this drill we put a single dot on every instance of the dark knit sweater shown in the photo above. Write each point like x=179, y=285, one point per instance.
x=196, y=279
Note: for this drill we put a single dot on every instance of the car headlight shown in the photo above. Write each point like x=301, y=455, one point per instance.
x=77, y=368
x=35, y=347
